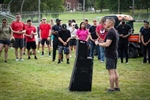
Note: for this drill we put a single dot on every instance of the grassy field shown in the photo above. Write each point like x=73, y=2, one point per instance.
x=43, y=79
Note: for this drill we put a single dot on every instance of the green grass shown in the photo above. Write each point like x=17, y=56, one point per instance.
x=43, y=79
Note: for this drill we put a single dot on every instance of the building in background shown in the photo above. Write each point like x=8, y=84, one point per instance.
x=72, y=5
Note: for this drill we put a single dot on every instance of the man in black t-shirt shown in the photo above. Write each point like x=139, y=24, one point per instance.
x=124, y=31
x=111, y=54
x=63, y=44
x=55, y=30
x=93, y=37
x=145, y=38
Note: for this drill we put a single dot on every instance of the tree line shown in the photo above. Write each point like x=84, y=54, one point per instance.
x=58, y=5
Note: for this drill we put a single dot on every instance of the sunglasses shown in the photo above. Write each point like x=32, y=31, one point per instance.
x=4, y=22
x=94, y=21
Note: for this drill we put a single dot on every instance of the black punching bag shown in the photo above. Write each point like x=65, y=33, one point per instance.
x=1, y=1
x=81, y=79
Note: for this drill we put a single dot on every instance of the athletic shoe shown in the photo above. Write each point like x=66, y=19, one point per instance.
x=117, y=89
x=21, y=59
x=110, y=90
x=68, y=62
x=35, y=57
x=127, y=63
x=17, y=59
x=29, y=57
x=42, y=55
x=59, y=62
x=5, y=61
x=70, y=56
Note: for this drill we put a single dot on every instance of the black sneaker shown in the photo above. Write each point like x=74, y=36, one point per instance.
x=117, y=89
x=68, y=62
x=35, y=57
x=110, y=90
x=59, y=62
x=5, y=61
x=29, y=57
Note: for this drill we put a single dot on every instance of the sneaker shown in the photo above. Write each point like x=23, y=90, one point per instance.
x=38, y=51
x=117, y=89
x=70, y=56
x=49, y=55
x=23, y=53
x=35, y=57
x=68, y=62
x=29, y=57
x=110, y=90
x=102, y=61
x=53, y=60
x=21, y=59
x=59, y=62
x=127, y=63
x=5, y=61
x=42, y=55
x=17, y=59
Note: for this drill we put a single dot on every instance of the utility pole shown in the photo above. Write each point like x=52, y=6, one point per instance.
x=83, y=8
x=118, y=6
x=39, y=10
x=133, y=8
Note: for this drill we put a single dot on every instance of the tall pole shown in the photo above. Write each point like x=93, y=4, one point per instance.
x=118, y=6
x=83, y=8
x=133, y=8
x=39, y=10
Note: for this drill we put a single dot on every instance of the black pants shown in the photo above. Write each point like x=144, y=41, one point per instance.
x=55, y=47
x=123, y=49
x=145, y=50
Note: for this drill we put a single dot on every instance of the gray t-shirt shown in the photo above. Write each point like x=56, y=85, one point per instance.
x=5, y=33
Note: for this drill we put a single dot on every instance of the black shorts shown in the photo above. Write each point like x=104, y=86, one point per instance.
x=31, y=45
x=72, y=42
x=111, y=63
x=5, y=42
x=45, y=40
x=24, y=42
x=18, y=43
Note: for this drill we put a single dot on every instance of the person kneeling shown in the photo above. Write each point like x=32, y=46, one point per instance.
x=63, y=44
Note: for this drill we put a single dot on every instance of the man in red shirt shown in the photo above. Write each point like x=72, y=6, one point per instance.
x=30, y=39
x=101, y=33
x=45, y=32
x=18, y=29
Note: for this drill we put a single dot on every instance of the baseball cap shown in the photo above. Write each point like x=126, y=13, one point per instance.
x=86, y=19
x=57, y=20
x=145, y=21
x=64, y=26
x=44, y=18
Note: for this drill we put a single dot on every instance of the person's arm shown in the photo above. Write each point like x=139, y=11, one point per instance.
x=104, y=44
x=142, y=39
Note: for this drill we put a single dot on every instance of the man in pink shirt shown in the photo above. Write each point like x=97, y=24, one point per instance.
x=18, y=29
x=30, y=38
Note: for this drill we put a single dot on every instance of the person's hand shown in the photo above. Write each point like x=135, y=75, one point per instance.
x=121, y=35
x=96, y=42
x=145, y=44
x=48, y=38
x=64, y=43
